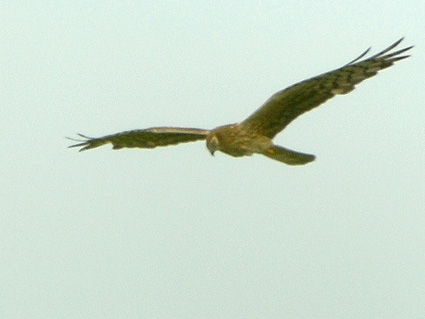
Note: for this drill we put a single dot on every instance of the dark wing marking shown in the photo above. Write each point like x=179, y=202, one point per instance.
x=286, y=105
x=147, y=138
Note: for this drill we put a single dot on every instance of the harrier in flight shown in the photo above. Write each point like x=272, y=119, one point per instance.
x=255, y=134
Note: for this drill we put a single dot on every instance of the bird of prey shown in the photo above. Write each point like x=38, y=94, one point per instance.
x=255, y=133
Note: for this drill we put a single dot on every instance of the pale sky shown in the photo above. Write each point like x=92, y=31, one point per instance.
x=174, y=232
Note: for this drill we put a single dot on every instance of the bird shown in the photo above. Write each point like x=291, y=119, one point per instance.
x=255, y=134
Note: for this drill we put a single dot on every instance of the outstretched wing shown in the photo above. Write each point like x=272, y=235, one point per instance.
x=286, y=105
x=147, y=138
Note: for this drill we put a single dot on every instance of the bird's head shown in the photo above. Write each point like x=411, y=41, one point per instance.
x=212, y=143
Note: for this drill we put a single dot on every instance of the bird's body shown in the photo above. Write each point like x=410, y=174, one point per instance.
x=255, y=134
x=236, y=140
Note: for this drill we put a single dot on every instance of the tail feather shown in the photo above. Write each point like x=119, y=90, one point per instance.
x=287, y=156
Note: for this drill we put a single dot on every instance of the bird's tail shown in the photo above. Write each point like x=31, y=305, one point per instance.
x=287, y=156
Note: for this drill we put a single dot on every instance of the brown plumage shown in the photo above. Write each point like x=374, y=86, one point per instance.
x=255, y=134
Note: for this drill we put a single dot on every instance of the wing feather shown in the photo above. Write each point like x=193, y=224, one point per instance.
x=286, y=105
x=146, y=138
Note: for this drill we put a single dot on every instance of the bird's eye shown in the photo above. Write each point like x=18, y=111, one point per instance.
x=214, y=141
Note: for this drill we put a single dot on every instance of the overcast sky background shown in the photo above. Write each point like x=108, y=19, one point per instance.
x=175, y=232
